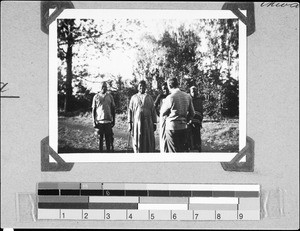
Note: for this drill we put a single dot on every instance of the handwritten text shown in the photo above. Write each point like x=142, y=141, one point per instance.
x=280, y=4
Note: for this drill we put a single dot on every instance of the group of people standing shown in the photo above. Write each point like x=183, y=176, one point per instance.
x=180, y=118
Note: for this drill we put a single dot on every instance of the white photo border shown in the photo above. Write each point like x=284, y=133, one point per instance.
x=144, y=157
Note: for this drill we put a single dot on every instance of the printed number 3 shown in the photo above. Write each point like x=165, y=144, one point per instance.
x=108, y=216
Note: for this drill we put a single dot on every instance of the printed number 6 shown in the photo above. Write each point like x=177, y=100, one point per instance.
x=174, y=216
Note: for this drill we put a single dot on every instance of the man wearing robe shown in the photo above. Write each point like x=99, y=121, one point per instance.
x=162, y=119
x=142, y=120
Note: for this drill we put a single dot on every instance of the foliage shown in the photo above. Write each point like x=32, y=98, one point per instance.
x=202, y=52
x=100, y=37
x=179, y=53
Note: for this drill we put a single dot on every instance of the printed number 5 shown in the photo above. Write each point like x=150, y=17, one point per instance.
x=152, y=216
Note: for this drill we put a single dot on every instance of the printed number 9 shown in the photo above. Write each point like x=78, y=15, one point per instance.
x=241, y=216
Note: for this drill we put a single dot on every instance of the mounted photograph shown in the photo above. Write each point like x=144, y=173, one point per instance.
x=147, y=85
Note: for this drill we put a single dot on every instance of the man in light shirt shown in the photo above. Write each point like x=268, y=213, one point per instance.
x=178, y=108
x=103, y=113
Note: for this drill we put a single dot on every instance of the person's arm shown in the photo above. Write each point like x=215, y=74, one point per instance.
x=166, y=107
x=156, y=104
x=130, y=119
x=191, y=112
x=113, y=111
x=153, y=113
x=94, y=111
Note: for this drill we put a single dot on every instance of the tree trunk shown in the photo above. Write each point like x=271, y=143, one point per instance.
x=69, y=89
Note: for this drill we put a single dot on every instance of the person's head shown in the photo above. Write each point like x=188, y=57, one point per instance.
x=103, y=87
x=165, y=89
x=194, y=91
x=172, y=83
x=142, y=86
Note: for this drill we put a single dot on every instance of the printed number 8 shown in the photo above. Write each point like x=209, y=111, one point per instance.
x=218, y=216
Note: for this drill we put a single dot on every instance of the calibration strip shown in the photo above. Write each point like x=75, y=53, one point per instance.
x=139, y=201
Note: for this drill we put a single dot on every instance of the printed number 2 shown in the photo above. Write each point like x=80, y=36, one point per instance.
x=85, y=216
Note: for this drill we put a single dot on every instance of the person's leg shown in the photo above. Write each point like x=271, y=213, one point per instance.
x=181, y=140
x=200, y=141
x=108, y=136
x=170, y=141
x=101, y=142
x=197, y=138
x=108, y=142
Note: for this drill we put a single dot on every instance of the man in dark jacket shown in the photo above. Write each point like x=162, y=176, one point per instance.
x=195, y=124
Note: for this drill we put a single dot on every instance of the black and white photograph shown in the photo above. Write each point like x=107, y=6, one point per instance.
x=149, y=114
x=127, y=82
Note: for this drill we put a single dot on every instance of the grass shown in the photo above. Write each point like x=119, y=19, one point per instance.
x=76, y=135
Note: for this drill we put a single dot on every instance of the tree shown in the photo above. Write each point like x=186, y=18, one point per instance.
x=200, y=53
x=102, y=36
